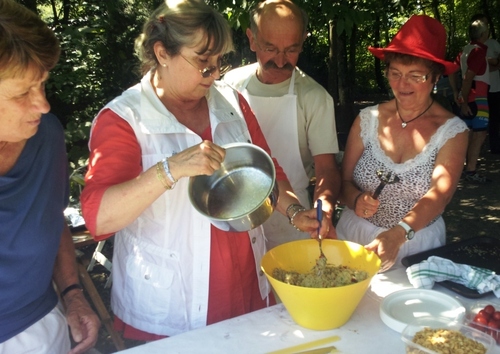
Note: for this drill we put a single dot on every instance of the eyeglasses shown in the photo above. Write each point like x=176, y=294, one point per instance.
x=209, y=70
x=290, y=52
x=396, y=76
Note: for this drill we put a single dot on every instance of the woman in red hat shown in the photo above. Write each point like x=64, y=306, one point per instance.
x=413, y=143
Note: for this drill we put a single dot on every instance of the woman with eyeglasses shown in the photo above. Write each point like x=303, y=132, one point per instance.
x=404, y=157
x=172, y=270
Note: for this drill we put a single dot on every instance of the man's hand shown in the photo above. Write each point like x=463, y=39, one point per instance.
x=83, y=322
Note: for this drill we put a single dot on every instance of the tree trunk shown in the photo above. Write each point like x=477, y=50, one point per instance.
x=66, y=11
x=345, y=103
x=350, y=83
x=379, y=79
x=333, y=83
x=54, y=12
x=334, y=78
x=435, y=10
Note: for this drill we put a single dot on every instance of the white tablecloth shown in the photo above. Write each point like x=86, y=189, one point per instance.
x=273, y=330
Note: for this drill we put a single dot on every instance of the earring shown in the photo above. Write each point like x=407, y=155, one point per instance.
x=164, y=65
x=435, y=89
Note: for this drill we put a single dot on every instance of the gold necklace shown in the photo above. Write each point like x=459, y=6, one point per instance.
x=405, y=123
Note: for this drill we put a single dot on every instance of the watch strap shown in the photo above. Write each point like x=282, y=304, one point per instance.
x=409, y=231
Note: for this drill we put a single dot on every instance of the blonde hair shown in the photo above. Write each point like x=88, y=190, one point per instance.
x=26, y=42
x=177, y=24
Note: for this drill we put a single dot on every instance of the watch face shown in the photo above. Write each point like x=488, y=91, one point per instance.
x=410, y=234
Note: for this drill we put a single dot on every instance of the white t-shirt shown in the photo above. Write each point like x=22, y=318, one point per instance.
x=315, y=110
x=493, y=52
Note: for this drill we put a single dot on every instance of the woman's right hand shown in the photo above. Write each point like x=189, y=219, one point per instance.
x=202, y=159
x=387, y=245
x=365, y=205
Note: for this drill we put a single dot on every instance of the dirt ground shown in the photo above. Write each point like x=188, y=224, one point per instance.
x=473, y=211
x=475, y=208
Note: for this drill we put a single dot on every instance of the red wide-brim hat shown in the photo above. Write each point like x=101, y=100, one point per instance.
x=423, y=37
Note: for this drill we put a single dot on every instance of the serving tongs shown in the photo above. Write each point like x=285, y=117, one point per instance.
x=385, y=178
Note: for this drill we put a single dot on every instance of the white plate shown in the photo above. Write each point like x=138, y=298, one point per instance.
x=402, y=307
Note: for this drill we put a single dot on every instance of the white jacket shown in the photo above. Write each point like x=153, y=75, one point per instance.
x=161, y=261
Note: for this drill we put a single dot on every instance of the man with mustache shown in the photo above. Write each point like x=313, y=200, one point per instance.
x=296, y=114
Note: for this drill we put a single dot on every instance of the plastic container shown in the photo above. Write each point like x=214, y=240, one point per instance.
x=473, y=310
x=442, y=323
x=320, y=308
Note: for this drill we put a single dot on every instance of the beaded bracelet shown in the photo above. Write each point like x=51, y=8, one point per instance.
x=293, y=216
x=296, y=208
x=293, y=207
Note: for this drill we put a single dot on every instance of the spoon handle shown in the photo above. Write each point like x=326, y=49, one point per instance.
x=319, y=213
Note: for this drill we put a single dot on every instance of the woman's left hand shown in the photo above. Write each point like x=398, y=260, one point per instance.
x=386, y=245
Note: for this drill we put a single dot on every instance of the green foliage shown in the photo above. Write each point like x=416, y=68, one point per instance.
x=96, y=64
x=97, y=61
x=237, y=12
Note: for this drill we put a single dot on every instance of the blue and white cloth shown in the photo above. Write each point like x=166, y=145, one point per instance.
x=436, y=269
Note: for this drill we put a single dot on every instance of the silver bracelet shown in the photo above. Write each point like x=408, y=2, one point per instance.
x=166, y=168
x=292, y=208
x=297, y=210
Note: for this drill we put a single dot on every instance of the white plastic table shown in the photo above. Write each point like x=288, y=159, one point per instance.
x=272, y=330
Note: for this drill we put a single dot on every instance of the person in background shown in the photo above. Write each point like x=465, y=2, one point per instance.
x=296, y=114
x=493, y=57
x=172, y=270
x=473, y=95
x=412, y=140
x=37, y=249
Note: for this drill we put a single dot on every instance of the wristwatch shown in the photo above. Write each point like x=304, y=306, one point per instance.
x=409, y=231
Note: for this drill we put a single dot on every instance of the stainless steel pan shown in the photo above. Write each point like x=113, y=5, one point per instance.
x=242, y=194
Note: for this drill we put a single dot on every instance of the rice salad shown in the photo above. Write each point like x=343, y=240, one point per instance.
x=322, y=275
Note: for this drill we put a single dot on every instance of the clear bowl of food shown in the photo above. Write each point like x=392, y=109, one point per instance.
x=484, y=315
x=437, y=335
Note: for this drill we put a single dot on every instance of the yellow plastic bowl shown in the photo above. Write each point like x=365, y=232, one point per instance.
x=325, y=308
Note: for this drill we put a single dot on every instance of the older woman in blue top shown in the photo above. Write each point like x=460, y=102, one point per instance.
x=36, y=246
